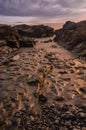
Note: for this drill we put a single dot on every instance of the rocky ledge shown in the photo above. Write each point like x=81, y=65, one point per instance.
x=73, y=37
x=36, y=31
x=23, y=35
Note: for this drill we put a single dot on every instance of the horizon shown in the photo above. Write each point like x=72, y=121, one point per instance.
x=53, y=24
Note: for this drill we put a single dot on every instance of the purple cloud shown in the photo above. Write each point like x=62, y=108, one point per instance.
x=42, y=8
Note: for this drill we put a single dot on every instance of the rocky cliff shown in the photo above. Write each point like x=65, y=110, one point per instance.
x=73, y=37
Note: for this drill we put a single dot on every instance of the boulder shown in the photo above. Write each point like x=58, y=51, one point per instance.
x=73, y=37
x=13, y=43
x=69, y=25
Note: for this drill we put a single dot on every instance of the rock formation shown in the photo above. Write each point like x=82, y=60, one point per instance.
x=36, y=31
x=22, y=35
x=73, y=37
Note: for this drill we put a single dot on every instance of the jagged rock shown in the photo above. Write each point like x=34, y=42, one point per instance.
x=73, y=37
x=20, y=35
x=36, y=31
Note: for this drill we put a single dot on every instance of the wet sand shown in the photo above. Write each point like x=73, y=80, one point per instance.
x=64, y=87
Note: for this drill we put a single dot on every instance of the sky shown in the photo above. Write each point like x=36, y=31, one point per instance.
x=42, y=10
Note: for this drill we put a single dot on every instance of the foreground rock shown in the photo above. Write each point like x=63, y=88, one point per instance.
x=73, y=37
x=62, y=104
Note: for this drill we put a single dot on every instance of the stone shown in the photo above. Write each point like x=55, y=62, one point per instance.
x=27, y=43
x=3, y=43
x=42, y=98
x=83, y=89
x=16, y=57
x=59, y=99
x=57, y=121
x=32, y=118
x=33, y=81
x=13, y=43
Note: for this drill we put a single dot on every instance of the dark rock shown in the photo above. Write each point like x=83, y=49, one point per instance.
x=71, y=117
x=69, y=25
x=59, y=99
x=54, y=46
x=33, y=82
x=73, y=37
x=63, y=72
x=20, y=35
x=27, y=43
x=48, y=41
x=83, y=90
x=13, y=43
x=7, y=32
x=36, y=31
x=42, y=98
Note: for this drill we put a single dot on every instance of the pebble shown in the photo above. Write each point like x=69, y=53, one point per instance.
x=16, y=57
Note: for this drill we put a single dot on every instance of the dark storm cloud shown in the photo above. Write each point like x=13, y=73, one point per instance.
x=43, y=8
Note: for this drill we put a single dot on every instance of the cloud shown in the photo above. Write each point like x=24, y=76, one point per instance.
x=42, y=8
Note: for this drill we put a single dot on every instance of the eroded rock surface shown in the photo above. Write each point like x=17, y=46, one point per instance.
x=64, y=89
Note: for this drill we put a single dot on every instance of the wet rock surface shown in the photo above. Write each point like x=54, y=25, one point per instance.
x=62, y=105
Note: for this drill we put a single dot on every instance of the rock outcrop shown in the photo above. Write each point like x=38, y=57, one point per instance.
x=23, y=35
x=73, y=37
x=7, y=32
x=69, y=25
x=36, y=31
x=10, y=37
